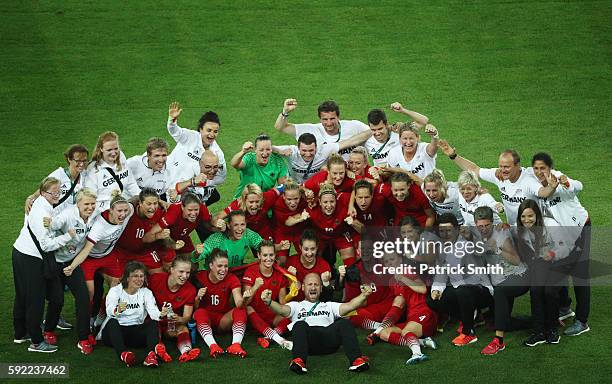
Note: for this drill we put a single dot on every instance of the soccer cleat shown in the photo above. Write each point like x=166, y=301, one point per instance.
x=50, y=337
x=493, y=347
x=535, y=339
x=21, y=340
x=360, y=364
x=565, y=313
x=372, y=338
x=128, y=358
x=160, y=351
x=85, y=347
x=464, y=339
x=298, y=366
x=151, y=360
x=578, y=328
x=215, y=350
x=429, y=343
x=63, y=324
x=236, y=349
x=92, y=340
x=263, y=342
x=191, y=354
x=287, y=344
x=552, y=337
x=415, y=359
x=43, y=347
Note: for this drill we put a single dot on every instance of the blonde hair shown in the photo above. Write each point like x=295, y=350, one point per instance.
x=327, y=188
x=467, y=178
x=408, y=127
x=360, y=150
x=437, y=177
x=117, y=198
x=335, y=158
x=85, y=192
x=103, y=138
x=46, y=184
x=291, y=185
x=249, y=189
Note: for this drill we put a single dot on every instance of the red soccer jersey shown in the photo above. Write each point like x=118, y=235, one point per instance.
x=259, y=222
x=319, y=267
x=131, y=238
x=281, y=213
x=366, y=173
x=413, y=299
x=274, y=283
x=180, y=228
x=315, y=181
x=329, y=227
x=158, y=284
x=218, y=297
x=414, y=205
x=377, y=215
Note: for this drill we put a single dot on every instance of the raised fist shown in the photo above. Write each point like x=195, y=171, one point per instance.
x=247, y=147
x=289, y=105
x=179, y=244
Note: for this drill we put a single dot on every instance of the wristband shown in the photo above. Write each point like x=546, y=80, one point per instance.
x=453, y=156
x=285, y=114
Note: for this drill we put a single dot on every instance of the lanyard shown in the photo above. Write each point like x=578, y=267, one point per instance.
x=339, y=131
x=312, y=309
x=381, y=148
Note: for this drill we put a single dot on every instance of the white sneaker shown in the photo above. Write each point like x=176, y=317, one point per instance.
x=416, y=359
x=428, y=342
x=286, y=344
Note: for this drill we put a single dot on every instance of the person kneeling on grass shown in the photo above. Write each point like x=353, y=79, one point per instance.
x=318, y=328
x=127, y=306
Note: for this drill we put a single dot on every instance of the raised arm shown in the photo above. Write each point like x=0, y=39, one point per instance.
x=461, y=162
x=355, y=140
x=177, y=133
x=280, y=309
x=79, y=258
x=419, y=119
x=281, y=123
x=237, y=162
x=357, y=302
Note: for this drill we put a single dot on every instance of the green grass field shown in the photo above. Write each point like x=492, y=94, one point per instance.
x=490, y=75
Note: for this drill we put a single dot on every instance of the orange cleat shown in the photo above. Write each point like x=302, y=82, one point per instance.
x=160, y=351
x=263, y=342
x=191, y=354
x=463, y=339
x=151, y=360
x=236, y=349
x=215, y=350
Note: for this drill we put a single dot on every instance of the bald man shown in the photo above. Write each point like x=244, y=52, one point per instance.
x=318, y=327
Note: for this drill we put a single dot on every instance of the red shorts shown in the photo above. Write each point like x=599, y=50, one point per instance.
x=377, y=311
x=108, y=265
x=151, y=258
x=343, y=241
x=266, y=315
x=214, y=318
x=424, y=316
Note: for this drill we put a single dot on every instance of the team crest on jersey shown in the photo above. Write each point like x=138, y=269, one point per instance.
x=274, y=282
x=178, y=298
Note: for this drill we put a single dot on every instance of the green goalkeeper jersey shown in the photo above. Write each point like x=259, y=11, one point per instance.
x=236, y=249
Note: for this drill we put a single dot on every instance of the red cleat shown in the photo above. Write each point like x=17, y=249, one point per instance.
x=191, y=354
x=372, y=338
x=298, y=366
x=50, y=338
x=360, y=364
x=493, y=347
x=92, y=340
x=463, y=339
x=236, y=349
x=263, y=342
x=160, y=351
x=128, y=358
x=215, y=350
x=151, y=360
x=85, y=347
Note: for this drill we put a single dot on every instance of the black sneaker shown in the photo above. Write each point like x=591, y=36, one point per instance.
x=535, y=339
x=552, y=337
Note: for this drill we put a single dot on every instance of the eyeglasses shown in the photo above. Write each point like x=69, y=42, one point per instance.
x=54, y=194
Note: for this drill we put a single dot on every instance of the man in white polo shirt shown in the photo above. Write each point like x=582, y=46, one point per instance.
x=318, y=327
x=330, y=128
x=514, y=182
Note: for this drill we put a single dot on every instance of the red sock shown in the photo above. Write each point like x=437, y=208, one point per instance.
x=239, y=318
x=282, y=326
x=392, y=316
x=408, y=339
x=362, y=321
x=183, y=342
x=260, y=325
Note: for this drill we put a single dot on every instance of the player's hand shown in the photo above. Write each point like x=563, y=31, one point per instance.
x=305, y=214
x=326, y=277
x=289, y=105
x=435, y=295
x=247, y=147
x=174, y=110
x=68, y=270
x=121, y=307
x=284, y=152
x=266, y=296
x=465, y=232
x=366, y=289
x=163, y=312
x=431, y=130
x=258, y=283
x=342, y=271
x=352, y=211
x=552, y=181
x=397, y=107
x=349, y=220
x=499, y=207
x=284, y=245
x=179, y=244
x=199, y=248
x=374, y=173
x=72, y=232
x=220, y=223
x=47, y=222
x=498, y=174
x=28, y=204
x=201, y=293
x=482, y=191
x=309, y=194
x=564, y=181
x=247, y=293
x=349, y=174
x=172, y=194
x=446, y=148
x=394, y=127
x=502, y=226
x=292, y=270
x=200, y=179
x=163, y=234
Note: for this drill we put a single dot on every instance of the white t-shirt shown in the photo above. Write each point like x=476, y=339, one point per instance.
x=298, y=166
x=100, y=180
x=421, y=164
x=70, y=218
x=467, y=209
x=104, y=234
x=145, y=177
x=380, y=151
x=40, y=208
x=323, y=315
x=450, y=204
x=348, y=129
x=564, y=205
x=513, y=194
x=495, y=257
x=139, y=305
x=189, y=149
x=65, y=184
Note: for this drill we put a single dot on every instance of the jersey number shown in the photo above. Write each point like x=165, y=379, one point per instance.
x=214, y=299
x=139, y=233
